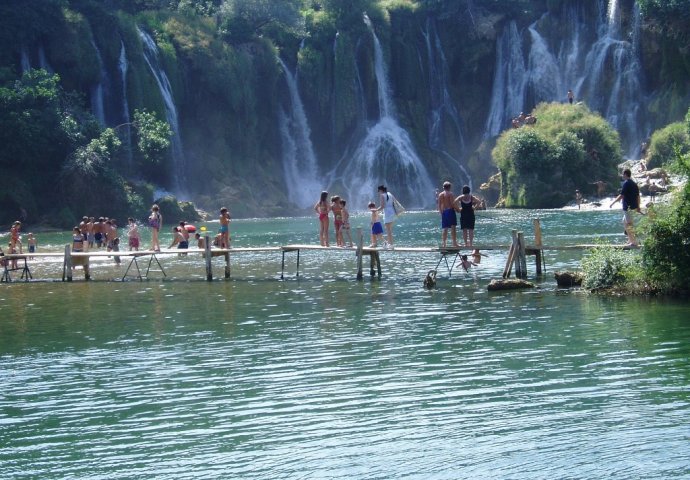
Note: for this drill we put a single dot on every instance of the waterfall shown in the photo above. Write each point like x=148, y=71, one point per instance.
x=123, y=66
x=386, y=154
x=151, y=58
x=507, y=96
x=98, y=90
x=299, y=161
x=593, y=58
x=43, y=60
x=24, y=61
x=444, y=118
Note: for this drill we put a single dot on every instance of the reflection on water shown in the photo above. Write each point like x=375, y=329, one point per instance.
x=326, y=377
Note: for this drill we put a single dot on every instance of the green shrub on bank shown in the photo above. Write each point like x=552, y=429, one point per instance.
x=606, y=267
x=664, y=142
x=568, y=148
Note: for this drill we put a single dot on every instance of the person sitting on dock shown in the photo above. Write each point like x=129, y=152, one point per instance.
x=449, y=220
x=376, y=227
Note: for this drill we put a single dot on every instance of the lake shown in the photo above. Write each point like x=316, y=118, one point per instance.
x=322, y=376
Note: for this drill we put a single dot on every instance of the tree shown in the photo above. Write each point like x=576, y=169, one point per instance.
x=153, y=136
x=242, y=20
x=567, y=149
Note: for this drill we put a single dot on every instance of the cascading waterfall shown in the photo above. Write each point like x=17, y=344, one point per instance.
x=602, y=69
x=43, y=60
x=386, y=154
x=508, y=92
x=24, y=61
x=151, y=58
x=98, y=90
x=123, y=66
x=444, y=117
x=299, y=161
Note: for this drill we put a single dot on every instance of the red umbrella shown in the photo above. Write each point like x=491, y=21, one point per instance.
x=190, y=228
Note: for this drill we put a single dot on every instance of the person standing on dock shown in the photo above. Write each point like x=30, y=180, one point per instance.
x=337, y=210
x=449, y=220
x=630, y=194
x=322, y=208
x=224, y=228
x=467, y=203
x=387, y=204
x=15, y=239
x=155, y=222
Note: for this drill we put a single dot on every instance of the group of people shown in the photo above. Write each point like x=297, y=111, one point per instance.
x=523, y=119
x=15, y=245
x=341, y=219
x=448, y=205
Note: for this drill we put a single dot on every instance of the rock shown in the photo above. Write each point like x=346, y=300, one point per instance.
x=509, y=284
x=568, y=279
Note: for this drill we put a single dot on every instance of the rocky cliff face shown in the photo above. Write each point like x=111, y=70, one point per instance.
x=407, y=98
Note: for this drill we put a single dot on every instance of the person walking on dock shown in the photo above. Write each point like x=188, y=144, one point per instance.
x=630, y=194
x=387, y=204
x=449, y=220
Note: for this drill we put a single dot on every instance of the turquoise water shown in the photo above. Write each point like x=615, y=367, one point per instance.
x=322, y=376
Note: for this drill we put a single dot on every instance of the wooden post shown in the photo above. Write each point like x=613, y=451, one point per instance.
x=522, y=256
x=227, y=265
x=207, y=257
x=537, y=232
x=378, y=264
x=67, y=264
x=512, y=253
x=360, y=248
x=539, y=253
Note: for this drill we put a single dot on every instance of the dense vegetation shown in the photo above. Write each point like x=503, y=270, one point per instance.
x=220, y=57
x=663, y=265
x=666, y=144
x=543, y=164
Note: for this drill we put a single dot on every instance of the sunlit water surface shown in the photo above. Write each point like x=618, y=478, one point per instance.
x=322, y=376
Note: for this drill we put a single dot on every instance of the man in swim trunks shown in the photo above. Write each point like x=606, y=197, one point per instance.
x=446, y=207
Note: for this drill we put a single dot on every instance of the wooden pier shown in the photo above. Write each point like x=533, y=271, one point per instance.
x=144, y=262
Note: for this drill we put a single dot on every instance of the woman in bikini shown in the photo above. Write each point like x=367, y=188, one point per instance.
x=322, y=208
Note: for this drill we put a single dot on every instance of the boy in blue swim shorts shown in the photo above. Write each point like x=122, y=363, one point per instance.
x=376, y=227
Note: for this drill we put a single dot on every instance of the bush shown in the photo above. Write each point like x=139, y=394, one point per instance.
x=662, y=147
x=569, y=148
x=607, y=267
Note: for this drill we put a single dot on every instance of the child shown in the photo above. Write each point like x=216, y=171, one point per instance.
x=346, y=223
x=200, y=241
x=132, y=235
x=322, y=209
x=476, y=256
x=31, y=241
x=337, y=210
x=466, y=264
x=376, y=227
x=15, y=239
x=224, y=228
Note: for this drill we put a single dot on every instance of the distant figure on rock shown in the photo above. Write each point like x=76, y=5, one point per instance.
x=530, y=120
x=578, y=198
x=601, y=188
x=571, y=97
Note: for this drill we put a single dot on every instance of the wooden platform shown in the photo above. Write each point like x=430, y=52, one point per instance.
x=142, y=262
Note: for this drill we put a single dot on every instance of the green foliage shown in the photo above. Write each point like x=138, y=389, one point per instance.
x=569, y=148
x=665, y=142
x=607, y=267
x=666, y=251
x=242, y=20
x=153, y=136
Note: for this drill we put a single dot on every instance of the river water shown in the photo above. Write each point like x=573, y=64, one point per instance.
x=322, y=376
